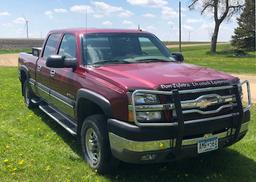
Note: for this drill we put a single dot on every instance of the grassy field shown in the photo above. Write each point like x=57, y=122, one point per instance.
x=34, y=148
x=185, y=42
x=12, y=51
x=12, y=44
x=224, y=60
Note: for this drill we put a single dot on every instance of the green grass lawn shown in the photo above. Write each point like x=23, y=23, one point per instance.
x=13, y=51
x=34, y=148
x=185, y=42
x=224, y=60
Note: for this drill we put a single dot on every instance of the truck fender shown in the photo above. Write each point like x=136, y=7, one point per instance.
x=25, y=70
x=96, y=98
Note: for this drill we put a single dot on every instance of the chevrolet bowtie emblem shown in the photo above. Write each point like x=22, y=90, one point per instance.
x=206, y=102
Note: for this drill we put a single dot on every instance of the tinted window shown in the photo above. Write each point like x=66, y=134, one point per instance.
x=51, y=45
x=68, y=46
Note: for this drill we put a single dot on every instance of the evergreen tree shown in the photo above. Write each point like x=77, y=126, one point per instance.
x=244, y=38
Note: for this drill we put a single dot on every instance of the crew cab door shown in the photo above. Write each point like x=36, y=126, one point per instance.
x=62, y=81
x=42, y=71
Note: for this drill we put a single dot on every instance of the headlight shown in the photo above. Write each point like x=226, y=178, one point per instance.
x=148, y=116
x=146, y=99
x=141, y=99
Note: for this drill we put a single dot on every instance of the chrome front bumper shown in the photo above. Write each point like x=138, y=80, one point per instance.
x=121, y=144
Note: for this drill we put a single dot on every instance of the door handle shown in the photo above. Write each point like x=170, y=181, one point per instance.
x=52, y=73
x=39, y=68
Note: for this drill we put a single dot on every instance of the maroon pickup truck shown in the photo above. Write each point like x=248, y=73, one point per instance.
x=128, y=98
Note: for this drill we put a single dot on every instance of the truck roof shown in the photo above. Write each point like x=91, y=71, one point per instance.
x=96, y=30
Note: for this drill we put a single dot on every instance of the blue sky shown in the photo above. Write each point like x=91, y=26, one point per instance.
x=157, y=16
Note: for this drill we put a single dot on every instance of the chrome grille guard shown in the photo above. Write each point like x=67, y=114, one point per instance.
x=191, y=106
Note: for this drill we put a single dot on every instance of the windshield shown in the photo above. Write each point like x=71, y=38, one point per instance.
x=118, y=48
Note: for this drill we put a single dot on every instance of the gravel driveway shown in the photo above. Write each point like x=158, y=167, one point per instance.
x=252, y=79
x=9, y=59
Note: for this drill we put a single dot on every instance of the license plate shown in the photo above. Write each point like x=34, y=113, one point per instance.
x=207, y=144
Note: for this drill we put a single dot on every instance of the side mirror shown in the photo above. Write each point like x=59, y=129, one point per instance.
x=178, y=57
x=57, y=61
x=36, y=51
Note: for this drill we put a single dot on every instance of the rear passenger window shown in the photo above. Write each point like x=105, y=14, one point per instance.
x=51, y=45
x=68, y=46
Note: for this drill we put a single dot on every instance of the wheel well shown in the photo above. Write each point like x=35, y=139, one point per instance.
x=86, y=108
x=23, y=77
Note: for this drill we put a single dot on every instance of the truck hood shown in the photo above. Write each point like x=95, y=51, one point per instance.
x=161, y=75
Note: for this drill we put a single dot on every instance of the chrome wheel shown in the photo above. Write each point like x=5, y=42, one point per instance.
x=95, y=145
x=92, y=146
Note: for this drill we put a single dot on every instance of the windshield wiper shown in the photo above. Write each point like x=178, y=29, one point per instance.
x=149, y=60
x=111, y=62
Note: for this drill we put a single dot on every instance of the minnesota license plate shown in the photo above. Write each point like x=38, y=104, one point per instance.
x=207, y=144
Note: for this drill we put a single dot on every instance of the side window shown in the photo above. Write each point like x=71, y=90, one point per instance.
x=51, y=45
x=148, y=47
x=68, y=46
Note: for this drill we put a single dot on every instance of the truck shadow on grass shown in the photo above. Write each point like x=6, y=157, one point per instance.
x=224, y=165
x=59, y=130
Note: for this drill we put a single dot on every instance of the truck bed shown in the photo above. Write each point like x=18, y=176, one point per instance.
x=28, y=60
x=25, y=58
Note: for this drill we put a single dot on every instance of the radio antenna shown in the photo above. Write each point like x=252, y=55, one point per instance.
x=179, y=26
x=86, y=18
x=85, y=36
x=139, y=29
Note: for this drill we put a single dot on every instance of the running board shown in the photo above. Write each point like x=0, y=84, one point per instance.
x=65, y=122
x=36, y=100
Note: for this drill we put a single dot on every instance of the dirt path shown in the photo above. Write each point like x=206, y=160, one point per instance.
x=12, y=60
x=9, y=59
x=252, y=79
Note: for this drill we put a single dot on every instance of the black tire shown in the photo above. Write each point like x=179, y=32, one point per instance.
x=28, y=95
x=105, y=162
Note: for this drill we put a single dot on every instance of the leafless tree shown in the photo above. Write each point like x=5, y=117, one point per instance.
x=221, y=9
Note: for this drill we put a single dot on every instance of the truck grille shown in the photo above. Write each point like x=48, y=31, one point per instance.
x=195, y=105
x=208, y=104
